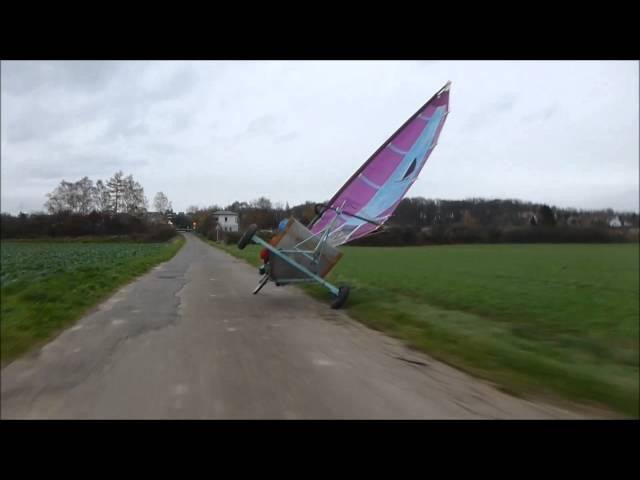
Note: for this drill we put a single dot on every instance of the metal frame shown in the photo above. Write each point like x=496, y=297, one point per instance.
x=313, y=255
x=282, y=254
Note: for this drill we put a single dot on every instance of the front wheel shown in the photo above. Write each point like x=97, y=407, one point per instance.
x=248, y=235
x=343, y=294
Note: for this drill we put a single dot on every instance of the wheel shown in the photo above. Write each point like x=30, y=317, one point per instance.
x=248, y=235
x=262, y=283
x=343, y=294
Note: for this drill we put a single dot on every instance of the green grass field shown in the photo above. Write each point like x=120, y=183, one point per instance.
x=46, y=286
x=550, y=320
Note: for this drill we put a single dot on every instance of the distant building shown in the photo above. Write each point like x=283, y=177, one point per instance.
x=616, y=222
x=573, y=221
x=228, y=221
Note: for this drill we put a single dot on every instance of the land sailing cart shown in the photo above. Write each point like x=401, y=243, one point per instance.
x=360, y=208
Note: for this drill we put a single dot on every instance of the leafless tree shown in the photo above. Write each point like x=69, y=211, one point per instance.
x=161, y=203
x=84, y=190
x=134, y=201
x=101, y=197
x=115, y=186
x=75, y=197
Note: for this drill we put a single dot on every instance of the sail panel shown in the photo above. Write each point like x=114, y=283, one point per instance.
x=376, y=189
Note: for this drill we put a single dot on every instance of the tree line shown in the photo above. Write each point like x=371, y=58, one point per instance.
x=116, y=207
x=118, y=194
x=419, y=213
x=419, y=221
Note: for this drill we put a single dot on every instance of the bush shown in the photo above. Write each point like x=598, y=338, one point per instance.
x=464, y=234
x=211, y=233
x=232, y=237
x=67, y=225
x=561, y=235
x=159, y=233
x=457, y=234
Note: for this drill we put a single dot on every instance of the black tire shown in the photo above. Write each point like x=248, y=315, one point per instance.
x=248, y=235
x=340, y=300
x=262, y=283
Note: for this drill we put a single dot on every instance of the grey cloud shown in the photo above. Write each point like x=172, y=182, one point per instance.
x=264, y=125
x=72, y=166
x=504, y=104
x=124, y=108
x=428, y=65
x=184, y=127
x=287, y=137
x=119, y=128
x=179, y=85
x=37, y=123
x=182, y=120
x=545, y=114
x=489, y=113
x=41, y=126
x=19, y=78
x=23, y=77
x=134, y=130
x=89, y=75
x=163, y=148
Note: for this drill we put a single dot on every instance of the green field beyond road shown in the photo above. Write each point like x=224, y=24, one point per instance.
x=46, y=286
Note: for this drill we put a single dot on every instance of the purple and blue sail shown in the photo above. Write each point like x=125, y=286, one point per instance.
x=369, y=198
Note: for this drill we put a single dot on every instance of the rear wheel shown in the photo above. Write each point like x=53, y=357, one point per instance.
x=248, y=235
x=343, y=294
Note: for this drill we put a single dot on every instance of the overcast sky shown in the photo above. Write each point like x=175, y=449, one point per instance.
x=560, y=132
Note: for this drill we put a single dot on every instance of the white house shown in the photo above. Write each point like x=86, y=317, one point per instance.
x=616, y=222
x=228, y=221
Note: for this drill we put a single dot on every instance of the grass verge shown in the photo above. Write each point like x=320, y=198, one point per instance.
x=47, y=286
x=559, y=321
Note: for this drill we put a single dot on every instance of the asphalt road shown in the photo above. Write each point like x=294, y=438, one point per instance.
x=188, y=340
